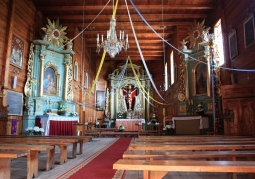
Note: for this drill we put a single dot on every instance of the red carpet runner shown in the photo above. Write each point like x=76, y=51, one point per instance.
x=101, y=166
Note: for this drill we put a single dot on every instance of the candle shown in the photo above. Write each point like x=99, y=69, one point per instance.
x=191, y=101
x=35, y=93
x=97, y=38
x=102, y=37
x=127, y=38
x=120, y=34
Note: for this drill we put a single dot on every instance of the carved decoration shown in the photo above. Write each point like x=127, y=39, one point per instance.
x=30, y=80
x=69, y=83
x=55, y=33
x=181, y=94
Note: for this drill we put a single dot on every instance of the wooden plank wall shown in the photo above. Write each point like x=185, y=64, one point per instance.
x=233, y=14
x=20, y=17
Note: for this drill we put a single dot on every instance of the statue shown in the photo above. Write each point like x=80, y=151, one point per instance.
x=184, y=46
x=129, y=96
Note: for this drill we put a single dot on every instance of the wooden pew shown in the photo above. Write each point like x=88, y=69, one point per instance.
x=158, y=146
x=32, y=157
x=156, y=169
x=73, y=141
x=62, y=147
x=5, y=161
x=230, y=155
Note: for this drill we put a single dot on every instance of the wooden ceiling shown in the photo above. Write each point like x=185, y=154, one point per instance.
x=168, y=14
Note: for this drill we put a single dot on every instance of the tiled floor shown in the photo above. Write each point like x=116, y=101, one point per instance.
x=19, y=166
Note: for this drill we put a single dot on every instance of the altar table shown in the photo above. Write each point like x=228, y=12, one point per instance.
x=129, y=124
x=57, y=125
x=189, y=124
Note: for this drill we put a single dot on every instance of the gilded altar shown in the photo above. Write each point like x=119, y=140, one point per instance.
x=128, y=101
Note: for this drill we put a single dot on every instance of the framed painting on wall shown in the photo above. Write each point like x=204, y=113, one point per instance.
x=249, y=35
x=100, y=100
x=50, y=81
x=17, y=51
x=232, y=41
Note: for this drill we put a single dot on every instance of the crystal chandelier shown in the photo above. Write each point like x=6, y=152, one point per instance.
x=112, y=45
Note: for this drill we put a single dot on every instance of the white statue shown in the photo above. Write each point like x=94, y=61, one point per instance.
x=183, y=42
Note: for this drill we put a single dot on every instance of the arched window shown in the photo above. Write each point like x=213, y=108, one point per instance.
x=166, y=77
x=172, y=67
x=219, y=43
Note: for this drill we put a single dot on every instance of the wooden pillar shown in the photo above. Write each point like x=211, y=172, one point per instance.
x=7, y=50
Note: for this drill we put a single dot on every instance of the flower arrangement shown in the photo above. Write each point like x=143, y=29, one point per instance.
x=34, y=130
x=96, y=124
x=73, y=114
x=121, y=127
x=200, y=109
x=62, y=109
x=167, y=127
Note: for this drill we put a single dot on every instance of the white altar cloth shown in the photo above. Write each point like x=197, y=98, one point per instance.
x=45, y=121
x=203, y=120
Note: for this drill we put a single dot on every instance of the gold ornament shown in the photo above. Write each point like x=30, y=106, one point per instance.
x=55, y=33
x=197, y=33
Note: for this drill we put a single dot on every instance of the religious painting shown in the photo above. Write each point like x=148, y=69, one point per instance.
x=100, y=100
x=201, y=79
x=249, y=35
x=232, y=41
x=17, y=51
x=50, y=82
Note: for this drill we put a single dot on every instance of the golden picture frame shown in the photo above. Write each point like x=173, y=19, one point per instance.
x=51, y=79
x=201, y=78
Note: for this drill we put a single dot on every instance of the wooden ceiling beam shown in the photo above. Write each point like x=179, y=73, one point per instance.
x=135, y=23
x=124, y=17
x=123, y=7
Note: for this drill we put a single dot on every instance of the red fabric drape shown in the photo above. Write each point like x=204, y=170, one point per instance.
x=61, y=127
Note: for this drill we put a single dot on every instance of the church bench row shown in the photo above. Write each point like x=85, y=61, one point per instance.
x=211, y=151
x=66, y=139
x=229, y=155
x=5, y=161
x=32, y=157
x=194, y=137
x=159, y=146
x=62, y=147
x=149, y=132
x=157, y=169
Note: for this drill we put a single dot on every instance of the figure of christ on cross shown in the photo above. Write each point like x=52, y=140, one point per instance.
x=129, y=95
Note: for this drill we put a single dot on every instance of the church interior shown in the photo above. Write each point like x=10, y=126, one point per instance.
x=151, y=70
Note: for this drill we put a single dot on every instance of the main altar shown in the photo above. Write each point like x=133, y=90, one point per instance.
x=128, y=102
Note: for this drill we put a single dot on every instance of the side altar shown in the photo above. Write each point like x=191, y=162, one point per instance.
x=49, y=77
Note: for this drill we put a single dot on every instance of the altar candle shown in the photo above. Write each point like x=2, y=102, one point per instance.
x=35, y=93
